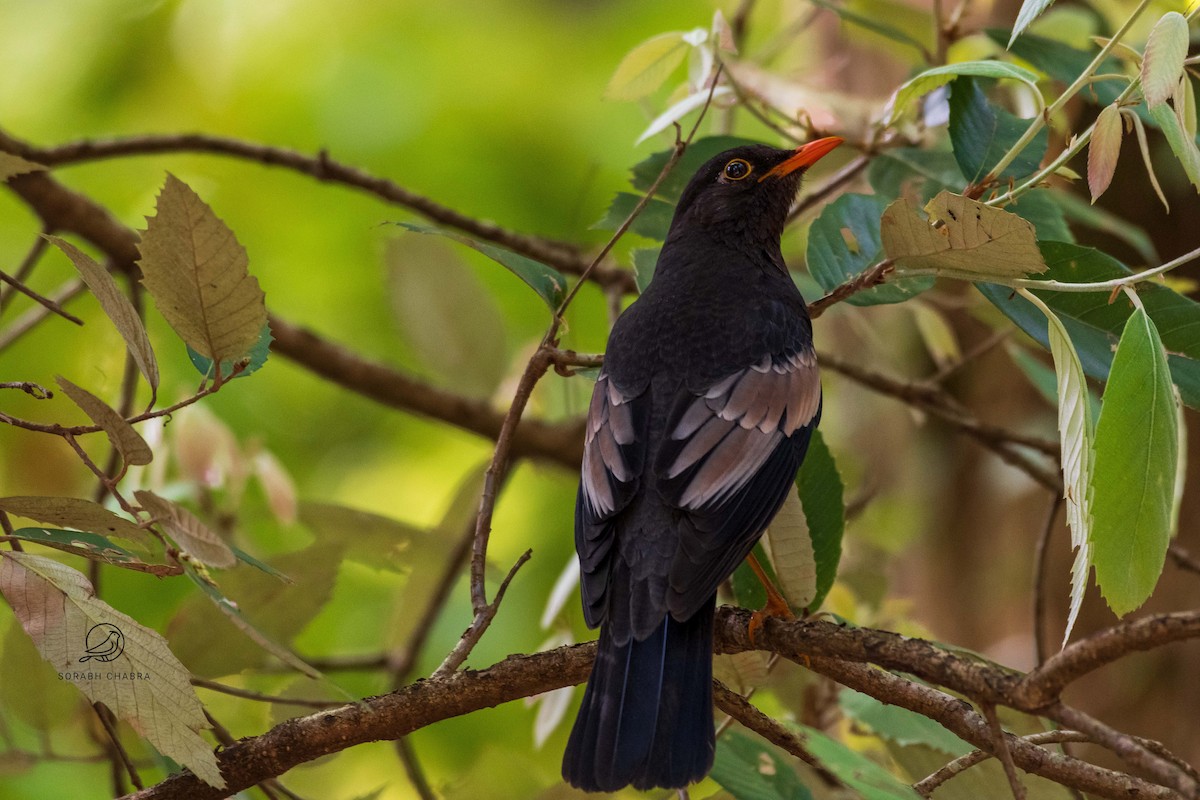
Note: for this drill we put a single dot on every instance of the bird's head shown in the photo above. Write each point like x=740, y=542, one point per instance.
x=745, y=193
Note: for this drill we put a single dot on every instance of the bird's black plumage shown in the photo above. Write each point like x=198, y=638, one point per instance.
x=698, y=423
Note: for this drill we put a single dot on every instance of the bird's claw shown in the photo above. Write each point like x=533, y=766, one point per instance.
x=776, y=607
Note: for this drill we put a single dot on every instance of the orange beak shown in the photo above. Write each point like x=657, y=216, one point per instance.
x=806, y=155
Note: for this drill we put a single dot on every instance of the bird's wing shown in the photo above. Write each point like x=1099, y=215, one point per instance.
x=729, y=458
x=613, y=457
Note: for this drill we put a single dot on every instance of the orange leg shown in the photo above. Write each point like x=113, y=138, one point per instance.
x=776, y=606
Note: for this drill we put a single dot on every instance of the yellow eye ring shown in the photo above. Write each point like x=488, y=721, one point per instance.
x=738, y=169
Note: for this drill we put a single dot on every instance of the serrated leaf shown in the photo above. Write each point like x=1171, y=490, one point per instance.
x=1134, y=476
x=254, y=360
x=981, y=133
x=196, y=271
x=681, y=109
x=1095, y=324
x=95, y=547
x=844, y=241
x=187, y=530
x=1076, y=433
x=1162, y=63
x=1183, y=146
x=1103, y=150
x=750, y=769
x=58, y=608
x=647, y=66
x=653, y=222
x=750, y=669
x=446, y=315
x=1044, y=379
x=792, y=553
x=973, y=238
x=12, y=165
x=1030, y=10
x=821, y=494
x=549, y=283
x=935, y=77
x=857, y=771
x=899, y=725
x=73, y=512
x=127, y=441
x=117, y=307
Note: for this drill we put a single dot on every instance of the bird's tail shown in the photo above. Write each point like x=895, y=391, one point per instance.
x=647, y=715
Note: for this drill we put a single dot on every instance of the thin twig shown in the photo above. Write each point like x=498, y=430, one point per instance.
x=480, y=624
x=867, y=279
x=1002, y=750
x=247, y=694
x=118, y=749
x=25, y=268
x=34, y=315
x=41, y=300
x=412, y=766
x=1039, y=581
x=926, y=786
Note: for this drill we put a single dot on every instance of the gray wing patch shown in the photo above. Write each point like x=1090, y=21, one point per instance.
x=722, y=438
x=610, y=427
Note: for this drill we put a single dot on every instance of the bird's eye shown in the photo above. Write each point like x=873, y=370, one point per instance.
x=738, y=169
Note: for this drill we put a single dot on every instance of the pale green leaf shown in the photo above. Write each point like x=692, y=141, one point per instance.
x=973, y=238
x=95, y=547
x=860, y=773
x=192, y=535
x=792, y=553
x=1133, y=485
x=681, y=109
x=1103, y=150
x=1076, y=433
x=73, y=512
x=899, y=725
x=750, y=769
x=117, y=307
x=111, y=657
x=1162, y=63
x=936, y=77
x=127, y=441
x=936, y=333
x=12, y=165
x=1183, y=146
x=196, y=271
x=647, y=66
x=1030, y=10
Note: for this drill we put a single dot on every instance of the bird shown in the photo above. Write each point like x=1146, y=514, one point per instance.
x=698, y=423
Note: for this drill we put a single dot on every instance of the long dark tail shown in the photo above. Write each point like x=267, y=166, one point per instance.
x=647, y=715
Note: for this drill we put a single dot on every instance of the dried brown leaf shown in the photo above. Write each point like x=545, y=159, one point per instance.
x=188, y=532
x=128, y=442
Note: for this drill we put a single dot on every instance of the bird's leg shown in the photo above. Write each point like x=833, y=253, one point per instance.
x=776, y=606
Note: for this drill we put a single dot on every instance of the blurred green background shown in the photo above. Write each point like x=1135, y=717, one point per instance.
x=495, y=109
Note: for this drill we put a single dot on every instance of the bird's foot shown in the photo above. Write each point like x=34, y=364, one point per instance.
x=776, y=607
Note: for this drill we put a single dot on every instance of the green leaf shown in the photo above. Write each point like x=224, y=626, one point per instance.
x=792, y=553
x=57, y=606
x=845, y=240
x=982, y=132
x=936, y=77
x=1182, y=145
x=1095, y=324
x=73, y=512
x=645, y=259
x=1044, y=380
x=821, y=495
x=1134, y=480
x=647, y=66
x=1080, y=212
x=1030, y=10
x=1162, y=62
x=255, y=358
x=645, y=172
x=196, y=271
x=549, y=283
x=95, y=547
x=1039, y=207
x=971, y=237
x=446, y=314
x=899, y=172
x=750, y=769
x=653, y=222
x=857, y=771
x=899, y=725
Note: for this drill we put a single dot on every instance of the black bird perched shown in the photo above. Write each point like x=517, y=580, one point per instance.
x=698, y=423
